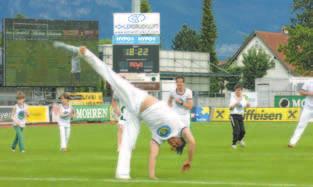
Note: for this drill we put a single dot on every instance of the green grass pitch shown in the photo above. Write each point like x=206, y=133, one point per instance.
x=91, y=160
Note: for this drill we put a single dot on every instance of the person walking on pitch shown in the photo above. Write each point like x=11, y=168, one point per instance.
x=182, y=98
x=19, y=114
x=65, y=113
x=237, y=106
x=306, y=114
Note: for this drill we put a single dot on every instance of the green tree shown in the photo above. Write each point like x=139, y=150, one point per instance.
x=256, y=63
x=105, y=41
x=145, y=6
x=20, y=16
x=186, y=39
x=208, y=38
x=299, y=50
x=231, y=81
x=1, y=42
x=303, y=10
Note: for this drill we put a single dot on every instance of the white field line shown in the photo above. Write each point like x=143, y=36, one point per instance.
x=145, y=181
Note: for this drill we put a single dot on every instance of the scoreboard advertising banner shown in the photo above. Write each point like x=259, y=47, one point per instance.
x=136, y=48
x=260, y=114
x=136, y=23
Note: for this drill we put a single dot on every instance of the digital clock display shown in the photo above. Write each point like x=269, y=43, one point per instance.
x=136, y=58
x=136, y=51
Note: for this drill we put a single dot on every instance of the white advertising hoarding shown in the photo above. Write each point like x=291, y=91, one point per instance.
x=136, y=23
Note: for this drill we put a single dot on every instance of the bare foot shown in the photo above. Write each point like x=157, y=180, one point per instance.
x=82, y=50
x=153, y=178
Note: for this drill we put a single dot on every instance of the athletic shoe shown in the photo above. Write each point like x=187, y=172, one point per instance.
x=23, y=151
x=242, y=143
x=291, y=145
x=13, y=150
x=122, y=177
x=234, y=146
x=64, y=149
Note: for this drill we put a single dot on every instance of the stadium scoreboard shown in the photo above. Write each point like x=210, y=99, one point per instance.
x=31, y=60
x=136, y=58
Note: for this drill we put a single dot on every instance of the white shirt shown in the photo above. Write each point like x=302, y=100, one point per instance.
x=308, y=86
x=75, y=61
x=239, y=108
x=123, y=110
x=179, y=109
x=65, y=115
x=20, y=114
x=163, y=122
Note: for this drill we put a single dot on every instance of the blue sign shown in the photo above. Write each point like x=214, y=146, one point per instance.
x=200, y=114
x=150, y=40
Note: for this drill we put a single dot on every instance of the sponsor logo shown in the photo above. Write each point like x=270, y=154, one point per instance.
x=136, y=18
x=260, y=114
x=5, y=115
x=21, y=115
x=220, y=114
x=136, y=26
x=89, y=113
x=289, y=101
x=117, y=39
x=164, y=131
x=292, y=114
x=66, y=115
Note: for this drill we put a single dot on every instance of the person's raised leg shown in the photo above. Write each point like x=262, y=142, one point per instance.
x=131, y=96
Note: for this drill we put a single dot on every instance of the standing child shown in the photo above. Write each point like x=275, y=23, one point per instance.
x=237, y=108
x=19, y=114
x=66, y=112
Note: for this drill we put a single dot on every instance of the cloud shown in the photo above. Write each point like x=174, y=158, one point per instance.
x=45, y=15
x=242, y=33
x=82, y=11
x=110, y=3
x=76, y=2
x=65, y=13
x=227, y=50
x=15, y=7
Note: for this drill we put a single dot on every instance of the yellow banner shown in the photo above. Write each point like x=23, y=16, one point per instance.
x=86, y=98
x=38, y=114
x=260, y=114
x=85, y=102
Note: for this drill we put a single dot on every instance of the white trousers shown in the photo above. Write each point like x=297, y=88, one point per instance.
x=305, y=117
x=65, y=132
x=132, y=98
x=128, y=94
x=185, y=119
x=131, y=130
